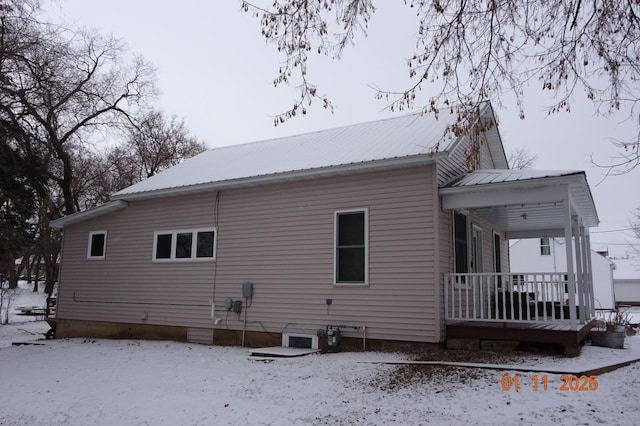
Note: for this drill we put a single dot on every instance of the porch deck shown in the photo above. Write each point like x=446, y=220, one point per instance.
x=486, y=309
x=475, y=335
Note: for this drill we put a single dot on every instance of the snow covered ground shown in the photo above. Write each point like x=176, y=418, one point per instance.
x=130, y=382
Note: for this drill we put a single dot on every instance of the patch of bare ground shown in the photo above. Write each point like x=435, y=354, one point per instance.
x=441, y=375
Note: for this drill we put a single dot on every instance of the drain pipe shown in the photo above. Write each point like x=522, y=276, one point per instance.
x=364, y=337
x=244, y=322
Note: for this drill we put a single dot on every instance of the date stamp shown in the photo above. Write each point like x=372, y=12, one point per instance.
x=568, y=383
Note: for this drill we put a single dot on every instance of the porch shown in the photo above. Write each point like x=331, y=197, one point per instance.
x=516, y=306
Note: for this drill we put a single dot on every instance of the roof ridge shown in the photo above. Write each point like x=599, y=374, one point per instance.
x=313, y=132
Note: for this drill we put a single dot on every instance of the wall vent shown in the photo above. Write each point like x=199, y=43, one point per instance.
x=308, y=341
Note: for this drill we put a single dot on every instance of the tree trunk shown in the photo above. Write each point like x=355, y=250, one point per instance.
x=37, y=274
x=13, y=277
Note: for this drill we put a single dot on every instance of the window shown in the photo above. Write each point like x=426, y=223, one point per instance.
x=545, y=247
x=197, y=244
x=97, y=245
x=351, y=247
x=461, y=242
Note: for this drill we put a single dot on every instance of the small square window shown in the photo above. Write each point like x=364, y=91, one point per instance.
x=97, y=244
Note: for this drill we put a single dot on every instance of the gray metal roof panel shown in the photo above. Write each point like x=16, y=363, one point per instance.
x=398, y=137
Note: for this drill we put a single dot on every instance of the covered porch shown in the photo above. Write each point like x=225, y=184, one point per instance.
x=518, y=306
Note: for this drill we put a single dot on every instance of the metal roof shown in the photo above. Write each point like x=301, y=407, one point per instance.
x=482, y=176
x=524, y=203
x=400, y=139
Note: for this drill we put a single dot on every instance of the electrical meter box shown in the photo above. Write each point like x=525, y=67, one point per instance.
x=247, y=290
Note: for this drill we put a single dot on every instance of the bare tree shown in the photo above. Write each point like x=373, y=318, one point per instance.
x=519, y=158
x=153, y=143
x=157, y=143
x=58, y=87
x=470, y=51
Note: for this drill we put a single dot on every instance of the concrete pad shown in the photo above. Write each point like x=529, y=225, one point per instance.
x=280, y=351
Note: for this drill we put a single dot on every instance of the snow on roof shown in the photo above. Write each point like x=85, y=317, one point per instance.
x=394, y=138
x=627, y=269
x=483, y=176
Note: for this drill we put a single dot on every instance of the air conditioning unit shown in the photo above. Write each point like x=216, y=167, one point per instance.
x=290, y=340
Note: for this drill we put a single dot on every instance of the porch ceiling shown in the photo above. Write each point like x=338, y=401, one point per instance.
x=523, y=203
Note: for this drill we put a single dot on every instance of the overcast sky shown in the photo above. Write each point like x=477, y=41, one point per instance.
x=215, y=71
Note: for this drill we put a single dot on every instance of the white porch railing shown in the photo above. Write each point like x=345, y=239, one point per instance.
x=511, y=297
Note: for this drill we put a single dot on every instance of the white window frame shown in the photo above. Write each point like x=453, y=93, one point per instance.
x=104, y=245
x=194, y=245
x=543, y=246
x=336, y=213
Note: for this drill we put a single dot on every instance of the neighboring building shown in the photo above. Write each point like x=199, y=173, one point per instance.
x=626, y=281
x=362, y=227
x=549, y=255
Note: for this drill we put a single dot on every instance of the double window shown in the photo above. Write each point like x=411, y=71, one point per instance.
x=351, y=247
x=97, y=245
x=195, y=244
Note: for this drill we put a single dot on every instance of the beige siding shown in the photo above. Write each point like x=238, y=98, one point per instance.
x=127, y=286
x=486, y=160
x=280, y=237
x=456, y=164
x=453, y=166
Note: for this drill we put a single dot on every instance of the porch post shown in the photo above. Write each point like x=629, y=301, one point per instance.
x=571, y=279
x=580, y=270
x=592, y=308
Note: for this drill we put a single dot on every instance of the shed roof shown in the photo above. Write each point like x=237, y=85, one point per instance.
x=524, y=203
x=483, y=176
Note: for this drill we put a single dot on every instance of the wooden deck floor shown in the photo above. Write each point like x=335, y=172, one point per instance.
x=543, y=332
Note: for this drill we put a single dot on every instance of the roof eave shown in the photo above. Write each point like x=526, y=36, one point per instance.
x=549, y=180
x=109, y=207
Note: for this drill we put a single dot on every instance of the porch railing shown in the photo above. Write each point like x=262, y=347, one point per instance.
x=509, y=297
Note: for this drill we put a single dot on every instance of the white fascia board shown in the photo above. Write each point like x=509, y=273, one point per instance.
x=109, y=207
x=378, y=165
x=500, y=194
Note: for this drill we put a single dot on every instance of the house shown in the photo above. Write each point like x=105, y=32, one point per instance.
x=361, y=232
x=626, y=281
x=547, y=254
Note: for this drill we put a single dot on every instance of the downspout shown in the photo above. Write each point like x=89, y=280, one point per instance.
x=216, y=203
x=244, y=323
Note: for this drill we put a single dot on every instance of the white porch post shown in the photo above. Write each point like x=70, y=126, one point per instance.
x=592, y=310
x=571, y=279
x=580, y=266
